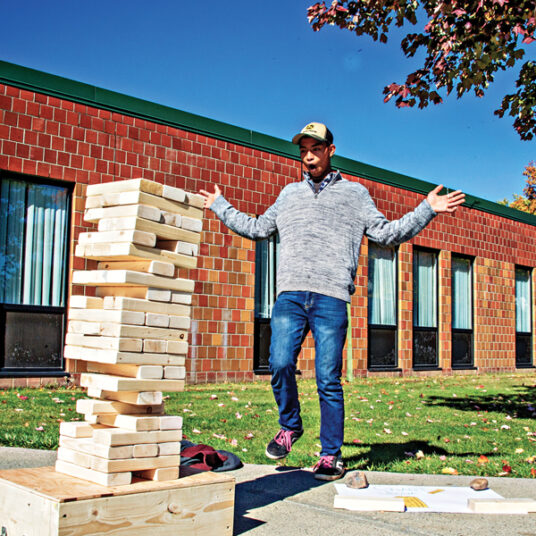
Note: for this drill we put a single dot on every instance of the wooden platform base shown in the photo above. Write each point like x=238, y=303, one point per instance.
x=42, y=502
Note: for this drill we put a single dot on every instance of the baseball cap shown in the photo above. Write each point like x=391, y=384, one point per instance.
x=318, y=131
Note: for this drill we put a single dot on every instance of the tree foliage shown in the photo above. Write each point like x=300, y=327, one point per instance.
x=526, y=202
x=465, y=43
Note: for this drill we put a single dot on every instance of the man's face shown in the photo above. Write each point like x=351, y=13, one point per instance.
x=315, y=156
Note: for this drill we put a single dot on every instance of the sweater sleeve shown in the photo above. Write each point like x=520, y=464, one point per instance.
x=244, y=225
x=389, y=233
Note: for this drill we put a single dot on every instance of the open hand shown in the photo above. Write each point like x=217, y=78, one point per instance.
x=445, y=203
x=209, y=198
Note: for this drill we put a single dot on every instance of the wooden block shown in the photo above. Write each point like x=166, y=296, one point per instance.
x=181, y=297
x=362, y=504
x=85, y=302
x=130, y=292
x=115, y=437
x=117, y=383
x=133, y=304
x=75, y=457
x=161, y=230
x=76, y=429
x=145, y=450
x=158, y=294
x=175, y=194
x=104, y=343
x=195, y=200
x=137, y=197
x=43, y=502
x=176, y=246
x=174, y=373
x=100, y=315
x=502, y=506
x=158, y=320
x=83, y=328
x=133, y=464
x=133, y=397
x=170, y=422
x=130, y=278
x=89, y=406
x=104, y=479
x=177, y=347
x=157, y=346
x=179, y=322
x=142, y=185
x=142, y=332
x=142, y=372
x=192, y=224
x=170, y=448
x=134, y=423
x=132, y=252
x=141, y=211
x=140, y=238
x=169, y=218
x=166, y=269
x=87, y=446
x=159, y=475
x=122, y=358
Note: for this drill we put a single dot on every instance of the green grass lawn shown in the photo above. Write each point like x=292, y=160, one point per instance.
x=472, y=425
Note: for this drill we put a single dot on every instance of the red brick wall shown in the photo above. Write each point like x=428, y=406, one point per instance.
x=54, y=138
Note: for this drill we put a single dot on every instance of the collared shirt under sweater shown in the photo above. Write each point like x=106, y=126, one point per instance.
x=320, y=233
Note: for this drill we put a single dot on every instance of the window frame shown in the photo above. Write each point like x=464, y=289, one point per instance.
x=462, y=330
x=525, y=334
x=6, y=308
x=425, y=329
x=392, y=329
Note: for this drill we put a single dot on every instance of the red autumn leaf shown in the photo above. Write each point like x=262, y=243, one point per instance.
x=533, y=472
x=506, y=468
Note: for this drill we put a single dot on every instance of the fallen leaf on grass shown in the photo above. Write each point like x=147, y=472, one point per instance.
x=482, y=460
x=39, y=428
x=449, y=471
x=532, y=472
x=249, y=436
x=196, y=431
x=219, y=436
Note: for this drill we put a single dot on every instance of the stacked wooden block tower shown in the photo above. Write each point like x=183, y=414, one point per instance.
x=133, y=333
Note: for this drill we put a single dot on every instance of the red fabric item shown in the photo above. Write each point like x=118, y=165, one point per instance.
x=207, y=456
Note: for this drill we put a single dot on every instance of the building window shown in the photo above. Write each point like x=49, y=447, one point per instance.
x=34, y=234
x=523, y=318
x=424, y=309
x=266, y=258
x=382, y=307
x=462, y=312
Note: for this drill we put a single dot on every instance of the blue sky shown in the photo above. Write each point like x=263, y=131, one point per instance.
x=258, y=65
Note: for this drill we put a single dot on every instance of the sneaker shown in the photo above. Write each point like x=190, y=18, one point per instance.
x=329, y=468
x=281, y=444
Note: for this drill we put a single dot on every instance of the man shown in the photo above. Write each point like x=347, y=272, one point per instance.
x=321, y=221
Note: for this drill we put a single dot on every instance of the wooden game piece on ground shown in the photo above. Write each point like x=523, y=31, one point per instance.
x=502, y=506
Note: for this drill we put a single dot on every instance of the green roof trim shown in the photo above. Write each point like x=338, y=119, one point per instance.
x=57, y=86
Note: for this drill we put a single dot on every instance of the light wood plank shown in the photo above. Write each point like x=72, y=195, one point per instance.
x=170, y=448
x=133, y=464
x=165, y=269
x=159, y=475
x=113, y=357
x=129, y=397
x=130, y=278
x=77, y=429
x=176, y=246
x=177, y=347
x=136, y=318
x=192, y=224
x=184, y=298
x=174, y=373
x=104, y=479
x=502, y=506
x=145, y=450
x=118, y=383
x=142, y=372
x=129, y=292
x=87, y=446
x=170, y=422
x=134, y=423
x=142, y=332
x=157, y=320
x=179, y=322
x=142, y=185
x=161, y=230
x=174, y=194
x=133, y=304
x=117, y=237
x=89, y=406
x=72, y=456
x=158, y=294
x=141, y=211
x=114, y=437
x=104, y=343
x=85, y=302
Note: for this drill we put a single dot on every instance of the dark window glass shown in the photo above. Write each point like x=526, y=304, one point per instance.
x=523, y=294
x=382, y=348
x=424, y=348
x=462, y=349
x=523, y=350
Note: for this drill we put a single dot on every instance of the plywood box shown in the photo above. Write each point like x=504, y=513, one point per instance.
x=42, y=502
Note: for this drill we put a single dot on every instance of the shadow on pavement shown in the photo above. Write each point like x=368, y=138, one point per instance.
x=266, y=490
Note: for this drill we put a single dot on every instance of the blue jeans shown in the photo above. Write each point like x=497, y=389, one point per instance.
x=293, y=315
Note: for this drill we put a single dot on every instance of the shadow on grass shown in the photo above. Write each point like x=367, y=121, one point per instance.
x=520, y=404
x=266, y=490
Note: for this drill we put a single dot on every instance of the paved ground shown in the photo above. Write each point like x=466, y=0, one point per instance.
x=288, y=502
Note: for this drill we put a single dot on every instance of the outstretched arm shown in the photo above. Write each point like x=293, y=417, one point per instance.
x=240, y=223
x=445, y=203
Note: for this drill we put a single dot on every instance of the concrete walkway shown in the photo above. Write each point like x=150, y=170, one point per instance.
x=273, y=501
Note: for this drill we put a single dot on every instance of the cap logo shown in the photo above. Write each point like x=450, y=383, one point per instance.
x=310, y=126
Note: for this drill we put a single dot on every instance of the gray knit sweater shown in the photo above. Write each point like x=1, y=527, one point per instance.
x=320, y=234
